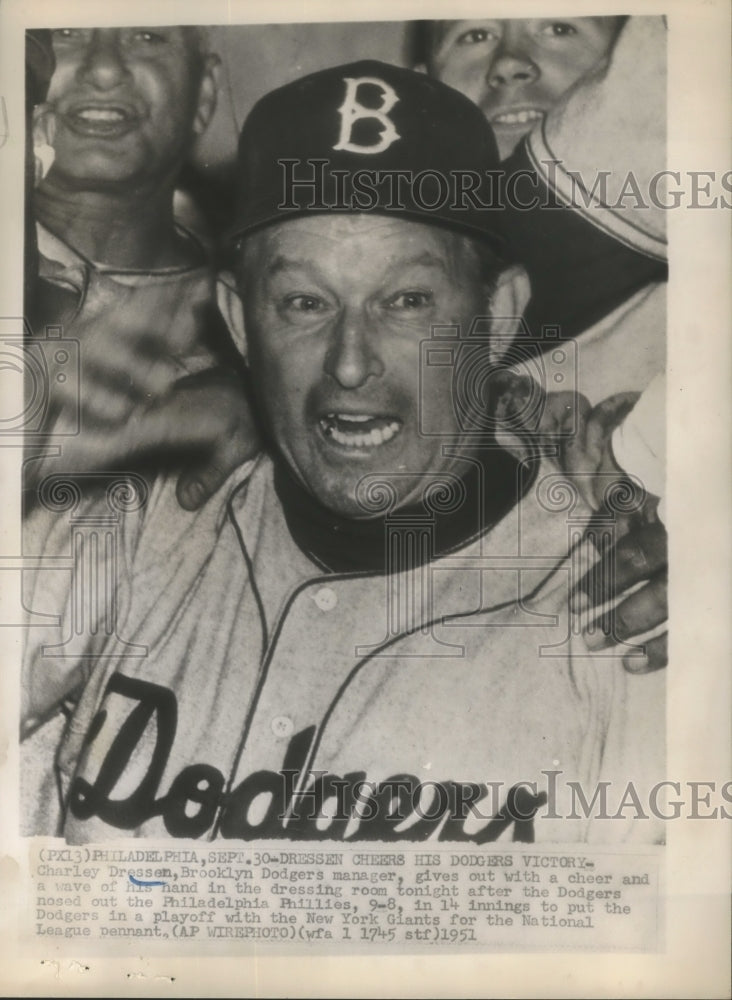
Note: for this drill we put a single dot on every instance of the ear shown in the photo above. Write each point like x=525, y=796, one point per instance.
x=207, y=93
x=44, y=133
x=232, y=309
x=508, y=302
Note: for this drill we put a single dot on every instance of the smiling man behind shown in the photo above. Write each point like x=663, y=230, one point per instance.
x=128, y=104
x=515, y=69
x=124, y=107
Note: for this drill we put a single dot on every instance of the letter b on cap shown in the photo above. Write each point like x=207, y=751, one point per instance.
x=352, y=111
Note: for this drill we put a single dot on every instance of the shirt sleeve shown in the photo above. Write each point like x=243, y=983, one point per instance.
x=639, y=443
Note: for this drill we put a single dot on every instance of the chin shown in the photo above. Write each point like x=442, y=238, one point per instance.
x=103, y=177
x=507, y=146
x=342, y=505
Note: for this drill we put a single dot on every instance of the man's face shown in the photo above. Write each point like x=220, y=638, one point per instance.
x=128, y=103
x=515, y=70
x=335, y=309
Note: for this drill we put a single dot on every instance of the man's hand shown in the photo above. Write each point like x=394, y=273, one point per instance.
x=204, y=424
x=633, y=571
x=231, y=432
x=639, y=558
x=135, y=342
x=145, y=396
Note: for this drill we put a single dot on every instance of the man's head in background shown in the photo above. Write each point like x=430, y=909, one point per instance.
x=129, y=103
x=43, y=303
x=514, y=69
x=345, y=273
x=39, y=66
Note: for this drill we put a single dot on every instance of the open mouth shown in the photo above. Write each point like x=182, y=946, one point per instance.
x=95, y=119
x=359, y=431
x=518, y=117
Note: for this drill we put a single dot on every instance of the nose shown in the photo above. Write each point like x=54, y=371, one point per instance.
x=352, y=356
x=512, y=65
x=103, y=64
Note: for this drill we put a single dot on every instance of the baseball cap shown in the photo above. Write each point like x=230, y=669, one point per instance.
x=368, y=137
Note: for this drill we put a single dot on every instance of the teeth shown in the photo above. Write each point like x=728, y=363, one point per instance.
x=518, y=117
x=358, y=439
x=101, y=115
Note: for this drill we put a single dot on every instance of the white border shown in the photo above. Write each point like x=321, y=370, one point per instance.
x=695, y=961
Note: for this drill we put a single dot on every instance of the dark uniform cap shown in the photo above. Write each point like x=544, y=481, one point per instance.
x=333, y=142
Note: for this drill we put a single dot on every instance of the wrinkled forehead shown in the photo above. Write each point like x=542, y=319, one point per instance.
x=382, y=240
x=349, y=225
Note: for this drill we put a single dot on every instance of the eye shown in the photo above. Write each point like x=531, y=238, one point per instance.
x=410, y=300
x=475, y=36
x=148, y=37
x=65, y=34
x=304, y=303
x=559, y=29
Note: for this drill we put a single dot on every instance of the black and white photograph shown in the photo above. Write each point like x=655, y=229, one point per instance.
x=346, y=471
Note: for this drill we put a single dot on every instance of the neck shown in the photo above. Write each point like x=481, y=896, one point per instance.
x=129, y=229
x=344, y=545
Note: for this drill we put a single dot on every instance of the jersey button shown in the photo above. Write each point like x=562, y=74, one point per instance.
x=326, y=598
x=282, y=725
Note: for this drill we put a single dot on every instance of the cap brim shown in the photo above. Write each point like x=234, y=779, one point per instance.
x=266, y=217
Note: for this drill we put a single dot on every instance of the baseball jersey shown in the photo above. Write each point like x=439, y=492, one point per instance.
x=245, y=693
